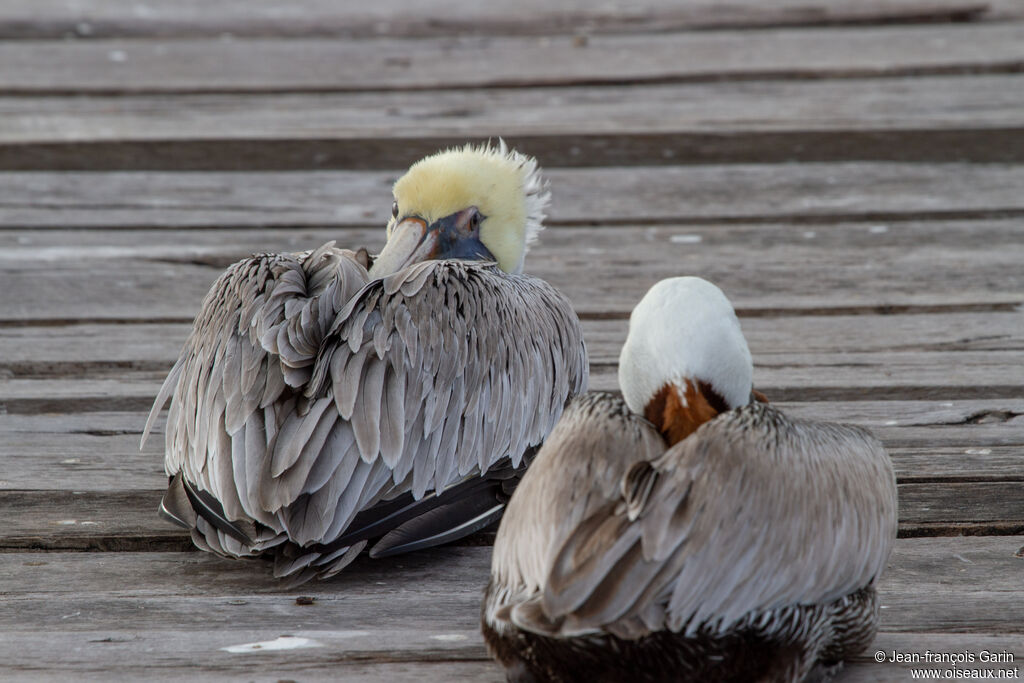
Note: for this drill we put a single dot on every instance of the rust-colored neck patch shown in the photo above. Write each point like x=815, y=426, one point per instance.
x=677, y=417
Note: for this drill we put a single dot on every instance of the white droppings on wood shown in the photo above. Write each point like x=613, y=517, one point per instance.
x=810, y=234
x=878, y=229
x=449, y=637
x=117, y=56
x=890, y=423
x=978, y=451
x=66, y=522
x=685, y=239
x=281, y=643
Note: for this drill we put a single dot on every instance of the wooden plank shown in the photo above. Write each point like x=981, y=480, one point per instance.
x=966, y=441
x=914, y=375
x=882, y=376
x=77, y=350
x=924, y=119
x=128, y=392
x=126, y=519
x=115, y=655
x=949, y=566
x=59, y=19
x=989, y=331
x=105, y=521
x=96, y=350
x=162, y=276
x=673, y=195
x=435, y=592
x=1005, y=10
x=123, y=663
x=285, y=65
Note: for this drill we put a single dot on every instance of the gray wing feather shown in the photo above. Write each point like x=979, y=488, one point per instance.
x=753, y=512
x=408, y=339
x=306, y=393
x=256, y=333
x=576, y=472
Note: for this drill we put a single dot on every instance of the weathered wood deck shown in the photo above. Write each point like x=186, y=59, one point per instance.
x=850, y=172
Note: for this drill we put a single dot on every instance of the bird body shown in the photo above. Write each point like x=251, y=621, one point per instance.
x=743, y=545
x=323, y=401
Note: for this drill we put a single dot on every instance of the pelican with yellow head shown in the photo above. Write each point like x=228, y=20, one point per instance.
x=471, y=204
x=325, y=400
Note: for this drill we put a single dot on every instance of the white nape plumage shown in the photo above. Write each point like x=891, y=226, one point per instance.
x=684, y=328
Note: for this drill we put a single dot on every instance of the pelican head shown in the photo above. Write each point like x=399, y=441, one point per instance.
x=685, y=359
x=475, y=203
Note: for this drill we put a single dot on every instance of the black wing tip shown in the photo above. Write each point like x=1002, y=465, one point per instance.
x=209, y=508
x=439, y=526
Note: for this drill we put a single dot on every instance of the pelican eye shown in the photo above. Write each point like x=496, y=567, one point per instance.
x=474, y=222
x=394, y=210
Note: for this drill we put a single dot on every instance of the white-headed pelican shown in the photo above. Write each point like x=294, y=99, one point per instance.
x=320, y=402
x=688, y=532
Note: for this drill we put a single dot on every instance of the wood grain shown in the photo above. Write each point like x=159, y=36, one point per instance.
x=940, y=119
x=849, y=172
x=402, y=18
x=163, y=276
x=162, y=591
x=95, y=349
x=911, y=375
x=328, y=65
x=121, y=521
x=672, y=195
x=965, y=441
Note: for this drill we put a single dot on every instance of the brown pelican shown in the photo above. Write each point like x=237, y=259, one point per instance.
x=320, y=403
x=714, y=539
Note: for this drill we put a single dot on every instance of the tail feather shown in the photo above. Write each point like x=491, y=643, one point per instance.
x=175, y=505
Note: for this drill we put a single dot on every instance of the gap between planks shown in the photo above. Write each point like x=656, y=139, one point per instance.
x=843, y=195
x=961, y=441
x=912, y=119
x=935, y=376
x=116, y=521
x=876, y=268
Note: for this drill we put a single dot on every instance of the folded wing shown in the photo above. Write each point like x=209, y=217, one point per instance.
x=751, y=513
x=308, y=393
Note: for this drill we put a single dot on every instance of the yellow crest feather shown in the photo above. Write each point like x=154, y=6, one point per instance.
x=503, y=184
